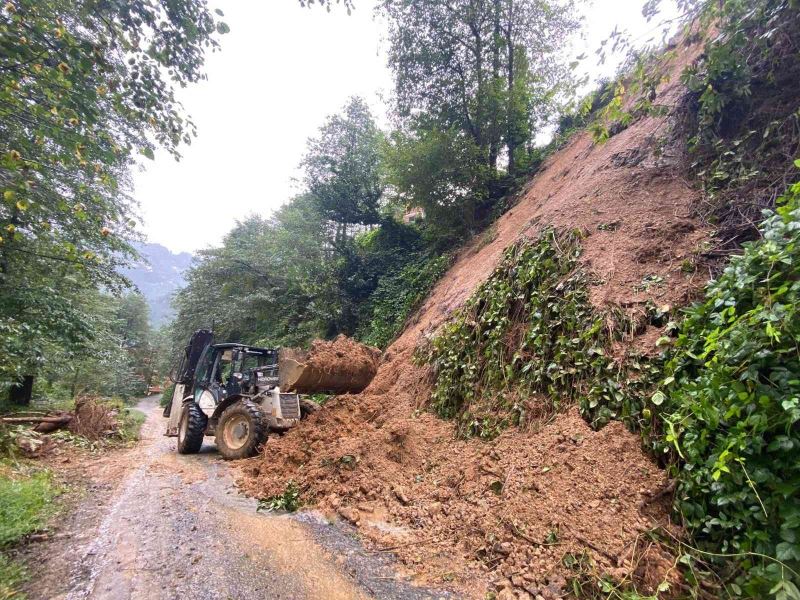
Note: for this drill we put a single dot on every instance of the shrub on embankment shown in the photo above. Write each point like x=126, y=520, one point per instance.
x=731, y=408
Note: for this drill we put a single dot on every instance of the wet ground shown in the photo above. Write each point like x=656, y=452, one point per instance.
x=153, y=524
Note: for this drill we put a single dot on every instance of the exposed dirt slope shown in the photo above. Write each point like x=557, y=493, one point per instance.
x=505, y=513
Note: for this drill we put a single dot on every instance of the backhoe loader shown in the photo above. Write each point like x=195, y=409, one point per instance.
x=240, y=393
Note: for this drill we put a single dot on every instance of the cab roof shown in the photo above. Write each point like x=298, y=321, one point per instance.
x=246, y=348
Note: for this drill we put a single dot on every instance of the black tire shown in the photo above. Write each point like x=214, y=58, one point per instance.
x=241, y=430
x=308, y=407
x=191, y=429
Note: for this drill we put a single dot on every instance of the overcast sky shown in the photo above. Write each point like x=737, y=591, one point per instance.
x=281, y=70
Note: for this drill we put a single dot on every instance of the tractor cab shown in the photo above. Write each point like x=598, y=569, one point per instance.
x=228, y=370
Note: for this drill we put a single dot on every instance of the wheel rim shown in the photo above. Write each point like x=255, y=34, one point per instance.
x=236, y=432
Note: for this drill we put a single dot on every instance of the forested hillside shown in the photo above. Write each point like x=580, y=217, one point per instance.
x=475, y=84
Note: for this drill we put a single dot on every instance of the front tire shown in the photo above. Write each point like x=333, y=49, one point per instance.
x=191, y=429
x=241, y=430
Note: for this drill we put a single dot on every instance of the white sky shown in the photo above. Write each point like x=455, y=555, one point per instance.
x=281, y=71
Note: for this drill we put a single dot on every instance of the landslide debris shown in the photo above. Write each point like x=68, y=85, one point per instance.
x=538, y=508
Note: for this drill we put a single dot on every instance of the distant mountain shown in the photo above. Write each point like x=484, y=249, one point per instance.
x=157, y=276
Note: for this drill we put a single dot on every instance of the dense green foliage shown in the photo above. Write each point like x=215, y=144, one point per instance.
x=521, y=344
x=475, y=81
x=311, y=269
x=732, y=407
x=528, y=343
x=746, y=127
x=115, y=358
x=395, y=298
x=86, y=89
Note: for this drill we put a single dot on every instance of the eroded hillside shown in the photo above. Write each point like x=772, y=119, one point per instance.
x=521, y=513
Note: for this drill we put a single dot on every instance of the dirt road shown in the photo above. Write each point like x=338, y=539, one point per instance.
x=157, y=525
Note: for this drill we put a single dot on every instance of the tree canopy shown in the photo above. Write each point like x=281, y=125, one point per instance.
x=86, y=90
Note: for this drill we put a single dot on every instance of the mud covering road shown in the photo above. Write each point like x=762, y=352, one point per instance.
x=156, y=525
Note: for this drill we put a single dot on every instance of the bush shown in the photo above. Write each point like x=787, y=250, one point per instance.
x=397, y=296
x=732, y=407
x=166, y=396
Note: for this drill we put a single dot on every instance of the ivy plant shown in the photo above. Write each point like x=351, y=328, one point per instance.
x=731, y=410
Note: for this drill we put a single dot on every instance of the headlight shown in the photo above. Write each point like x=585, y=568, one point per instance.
x=207, y=403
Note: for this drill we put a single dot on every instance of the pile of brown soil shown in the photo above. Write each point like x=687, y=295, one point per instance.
x=340, y=366
x=505, y=514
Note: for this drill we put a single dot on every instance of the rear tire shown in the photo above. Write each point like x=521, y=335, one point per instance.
x=191, y=429
x=241, y=430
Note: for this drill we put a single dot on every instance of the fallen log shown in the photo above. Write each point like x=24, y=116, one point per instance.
x=44, y=424
x=61, y=419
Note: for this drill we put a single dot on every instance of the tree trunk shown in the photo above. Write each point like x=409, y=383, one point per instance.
x=74, y=387
x=20, y=393
x=496, y=105
x=511, y=142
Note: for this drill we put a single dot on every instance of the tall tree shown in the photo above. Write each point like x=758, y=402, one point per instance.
x=343, y=171
x=86, y=88
x=478, y=65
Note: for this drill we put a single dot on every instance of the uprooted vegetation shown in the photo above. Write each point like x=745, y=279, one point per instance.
x=572, y=309
x=91, y=423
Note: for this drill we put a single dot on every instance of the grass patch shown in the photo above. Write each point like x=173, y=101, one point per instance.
x=26, y=502
x=131, y=421
x=12, y=576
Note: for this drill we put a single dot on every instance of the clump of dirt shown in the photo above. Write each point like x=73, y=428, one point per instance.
x=506, y=514
x=340, y=366
x=93, y=420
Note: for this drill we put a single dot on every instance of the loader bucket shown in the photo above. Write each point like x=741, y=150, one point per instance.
x=342, y=366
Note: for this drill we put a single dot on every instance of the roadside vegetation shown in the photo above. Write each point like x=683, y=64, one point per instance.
x=27, y=495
